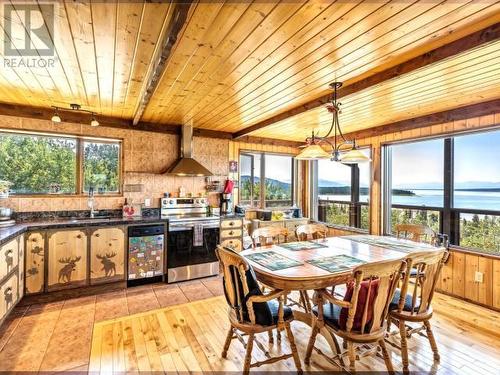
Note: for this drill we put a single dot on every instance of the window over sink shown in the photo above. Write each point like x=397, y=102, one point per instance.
x=48, y=164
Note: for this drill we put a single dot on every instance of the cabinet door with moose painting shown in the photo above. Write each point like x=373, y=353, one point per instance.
x=107, y=255
x=67, y=257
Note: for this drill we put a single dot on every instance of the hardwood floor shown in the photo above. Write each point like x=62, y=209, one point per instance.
x=169, y=328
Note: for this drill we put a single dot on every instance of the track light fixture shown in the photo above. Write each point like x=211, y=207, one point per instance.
x=74, y=107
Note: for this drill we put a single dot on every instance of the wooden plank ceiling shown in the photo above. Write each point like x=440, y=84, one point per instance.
x=237, y=63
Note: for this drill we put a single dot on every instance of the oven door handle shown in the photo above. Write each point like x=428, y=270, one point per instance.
x=178, y=228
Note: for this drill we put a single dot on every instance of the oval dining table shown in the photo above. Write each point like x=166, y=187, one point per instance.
x=306, y=276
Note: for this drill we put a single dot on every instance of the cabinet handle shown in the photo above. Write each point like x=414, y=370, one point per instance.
x=8, y=294
x=33, y=240
x=9, y=255
x=231, y=223
x=231, y=233
x=97, y=235
x=79, y=236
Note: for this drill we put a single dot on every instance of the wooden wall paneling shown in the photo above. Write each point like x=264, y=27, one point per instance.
x=458, y=280
x=107, y=255
x=485, y=289
x=35, y=262
x=496, y=284
x=446, y=284
x=471, y=266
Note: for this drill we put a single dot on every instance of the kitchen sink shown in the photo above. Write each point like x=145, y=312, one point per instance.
x=91, y=218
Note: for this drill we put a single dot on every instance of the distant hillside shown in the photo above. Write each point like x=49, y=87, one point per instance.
x=345, y=190
x=269, y=181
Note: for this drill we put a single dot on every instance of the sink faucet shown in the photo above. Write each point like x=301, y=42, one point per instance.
x=90, y=202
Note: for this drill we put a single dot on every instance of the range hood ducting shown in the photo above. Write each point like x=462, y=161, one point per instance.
x=186, y=165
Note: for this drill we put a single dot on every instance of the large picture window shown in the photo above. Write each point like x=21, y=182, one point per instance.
x=343, y=193
x=38, y=164
x=450, y=184
x=266, y=180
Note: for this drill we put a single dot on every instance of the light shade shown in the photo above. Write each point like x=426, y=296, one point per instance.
x=354, y=156
x=94, y=122
x=313, y=152
x=56, y=118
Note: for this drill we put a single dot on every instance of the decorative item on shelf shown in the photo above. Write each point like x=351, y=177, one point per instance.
x=344, y=151
x=182, y=192
x=56, y=118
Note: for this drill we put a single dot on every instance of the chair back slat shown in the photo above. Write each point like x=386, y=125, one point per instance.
x=386, y=274
x=269, y=235
x=428, y=265
x=311, y=231
x=416, y=232
x=234, y=268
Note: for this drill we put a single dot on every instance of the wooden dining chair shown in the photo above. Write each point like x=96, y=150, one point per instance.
x=252, y=312
x=311, y=231
x=412, y=303
x=269, y=236
x=361, y=317
x=275, y=236
x=416, y=232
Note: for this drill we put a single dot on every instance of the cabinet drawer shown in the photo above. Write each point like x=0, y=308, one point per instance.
x=230, y=233
x=234, y=244
x=9, y=257
x=8, y=295
x=236, y=223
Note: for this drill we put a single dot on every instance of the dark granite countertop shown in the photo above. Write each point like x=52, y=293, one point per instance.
x=8, y=233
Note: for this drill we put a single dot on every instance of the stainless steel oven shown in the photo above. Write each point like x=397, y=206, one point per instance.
x=191, y=240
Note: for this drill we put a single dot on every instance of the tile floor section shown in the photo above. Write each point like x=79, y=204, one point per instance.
x=57, y=336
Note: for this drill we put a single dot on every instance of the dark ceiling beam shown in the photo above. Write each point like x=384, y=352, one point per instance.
x=177, y=21
x=270, y=141
x=468, y=42
x=457, y=114
x=104, y=121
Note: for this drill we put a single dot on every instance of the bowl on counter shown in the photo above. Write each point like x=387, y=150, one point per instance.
x=5, y=213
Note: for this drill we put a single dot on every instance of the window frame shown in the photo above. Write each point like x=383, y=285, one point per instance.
x=449, y=216
x=355, y=205
x=79, y=147
x=262, y=198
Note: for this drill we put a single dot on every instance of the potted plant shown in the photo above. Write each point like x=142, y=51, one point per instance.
x=4, y=188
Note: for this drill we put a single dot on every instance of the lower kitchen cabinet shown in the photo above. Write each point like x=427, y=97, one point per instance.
x=11, y=275
x=107, y=255
x=67, y=259
x=35, y=262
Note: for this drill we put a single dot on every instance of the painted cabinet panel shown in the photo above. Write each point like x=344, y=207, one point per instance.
x=9, y=257
x=67, y=258
x=107, y=255
x=35, y=262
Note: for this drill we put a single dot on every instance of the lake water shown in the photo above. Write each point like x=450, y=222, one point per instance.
x=434, y=198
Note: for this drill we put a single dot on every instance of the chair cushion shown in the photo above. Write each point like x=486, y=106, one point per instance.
x=336, y=316
x=408, y=302
x=274, y=307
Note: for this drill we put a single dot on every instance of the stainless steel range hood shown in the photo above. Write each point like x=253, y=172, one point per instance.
x=186, y=165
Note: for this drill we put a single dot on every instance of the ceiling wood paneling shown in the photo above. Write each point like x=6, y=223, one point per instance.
x=236, y=64
x=467, y=78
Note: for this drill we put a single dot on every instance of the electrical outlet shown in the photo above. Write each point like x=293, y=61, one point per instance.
x=478, y=277
x=147, y=202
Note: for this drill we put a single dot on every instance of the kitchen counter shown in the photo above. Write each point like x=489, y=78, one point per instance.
x=7, y=233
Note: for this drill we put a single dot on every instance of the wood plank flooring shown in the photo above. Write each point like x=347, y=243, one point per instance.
x=182, y=327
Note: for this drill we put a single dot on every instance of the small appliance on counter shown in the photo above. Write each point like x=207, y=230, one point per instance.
x=226, y=206
x=146, y=244
x=131, y=210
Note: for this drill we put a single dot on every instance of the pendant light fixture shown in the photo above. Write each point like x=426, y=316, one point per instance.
x=343, y=150
x=77, y=108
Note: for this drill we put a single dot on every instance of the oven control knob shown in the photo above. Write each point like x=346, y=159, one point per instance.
x=170, y=201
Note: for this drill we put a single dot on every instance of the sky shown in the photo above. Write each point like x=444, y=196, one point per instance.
x=477, y=158
x=278, y=167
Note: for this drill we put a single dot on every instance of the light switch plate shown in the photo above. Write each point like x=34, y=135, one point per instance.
x=478, y=277
x=147, y=202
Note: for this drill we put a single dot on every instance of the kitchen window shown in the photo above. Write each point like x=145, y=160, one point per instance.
x=266, y=180
x=49, y=164
x=342, y=193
